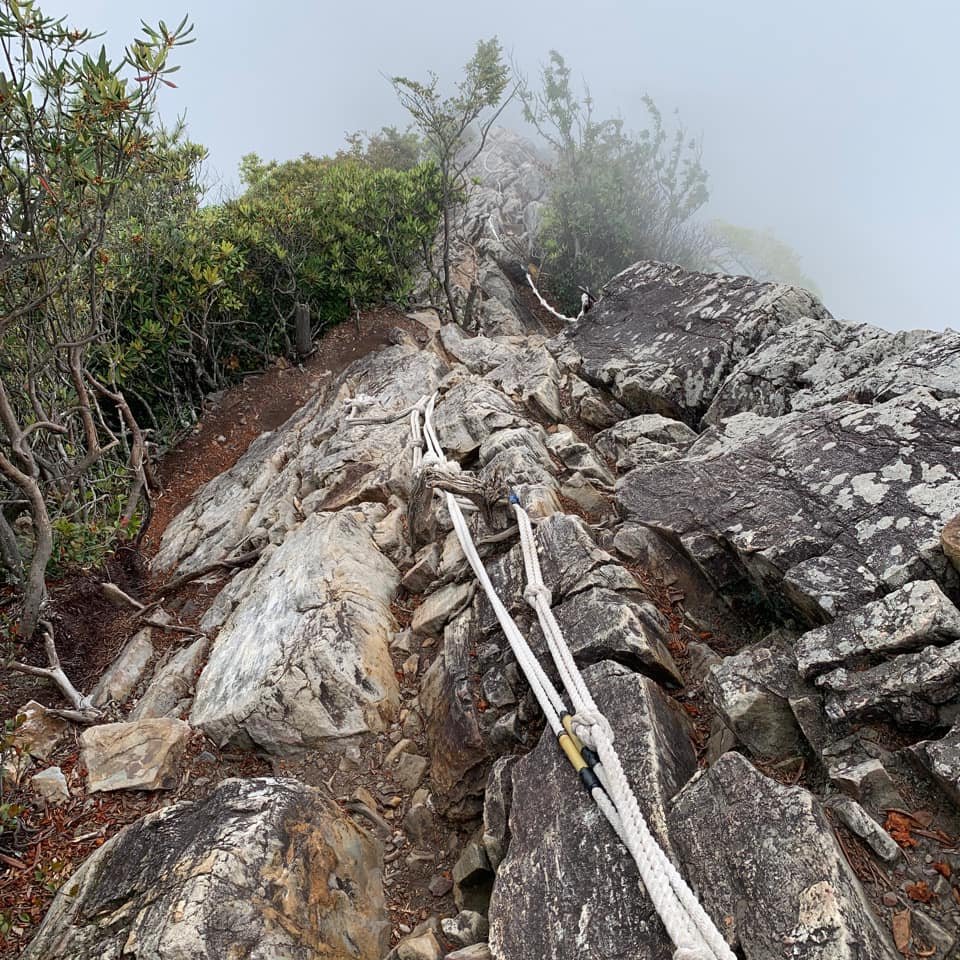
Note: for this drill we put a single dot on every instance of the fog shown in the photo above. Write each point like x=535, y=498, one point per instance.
x=832, y=124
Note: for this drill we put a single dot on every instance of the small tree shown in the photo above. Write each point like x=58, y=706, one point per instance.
x=758, y=253
x=614, y=197
x=455, y=129
x=72, y=126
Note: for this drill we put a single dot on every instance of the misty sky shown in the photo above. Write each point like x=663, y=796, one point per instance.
x=835, y=124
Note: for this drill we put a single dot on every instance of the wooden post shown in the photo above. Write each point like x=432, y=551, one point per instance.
x=301, y=320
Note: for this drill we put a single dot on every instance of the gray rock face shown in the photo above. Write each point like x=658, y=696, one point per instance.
x=764, y=856
x=842, y=503
x=941, y=759
x=303, y=657
x=648, y=438
x=917, y=615
x=913, y=690
x=663, y=340
x=261, y=869
x=567, y=888
x=171, y=690
x=819, y=360
x=751, y=693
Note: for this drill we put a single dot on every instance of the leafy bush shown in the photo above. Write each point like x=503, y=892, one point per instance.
x=615, y=197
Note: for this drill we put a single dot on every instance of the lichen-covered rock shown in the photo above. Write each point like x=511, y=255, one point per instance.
x=764, y=856
x=568, y=888
x=648, y=438
x=304, y=657
x=817, y=512
x=140, y=755
x=941, y=759
x=663, y=340
x=262, y=869
x=819, y=360
x=751, y=692
x=917, y=615
x=913, y=690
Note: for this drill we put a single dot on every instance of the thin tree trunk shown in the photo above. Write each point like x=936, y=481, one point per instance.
x=447, y=286
x=301, y=322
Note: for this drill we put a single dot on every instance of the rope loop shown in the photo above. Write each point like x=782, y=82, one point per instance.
x=534, y=591
x=586, y=724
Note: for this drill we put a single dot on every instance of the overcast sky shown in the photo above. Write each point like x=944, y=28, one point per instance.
x=832, y=122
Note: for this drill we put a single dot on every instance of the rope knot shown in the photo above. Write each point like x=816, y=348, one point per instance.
x=534, y=591
x=586, y=725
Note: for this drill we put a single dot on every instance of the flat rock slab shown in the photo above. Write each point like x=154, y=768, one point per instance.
x=917, y=615
x=663, y=340
x=914, y=690
x=818, y=512
x=171, y=689
x=567, y=888
x=304, y=656
x=764, y=856
x=141, y=755
x=262, y=869
x=125, y=672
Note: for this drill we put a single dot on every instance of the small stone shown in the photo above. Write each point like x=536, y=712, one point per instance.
x=440, y=885
x=890, y=899
x=863, y=825
x=479, y=951
x=401, y=747
x=221, y=439
x=440, y=607
x=411, y=667
x=466, y=929
x=410, y=770
x=419, y=822
x=51, y=784
x=422, y=947
x=39, y=732
x=364, y=796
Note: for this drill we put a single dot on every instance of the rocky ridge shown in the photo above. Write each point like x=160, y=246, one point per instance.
x=740, y=504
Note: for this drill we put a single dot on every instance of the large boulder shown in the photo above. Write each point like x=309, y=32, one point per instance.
x=814, y=513
x=303, y=657
x=567, y=887
x=261, y=869
x=663, y=340
x=764, y=856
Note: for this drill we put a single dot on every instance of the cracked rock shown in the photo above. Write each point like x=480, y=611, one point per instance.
x=262, y=868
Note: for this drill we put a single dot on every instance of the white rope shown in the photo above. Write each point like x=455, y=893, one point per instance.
x=584, y=302
x=691, y=930
x=688, y=924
